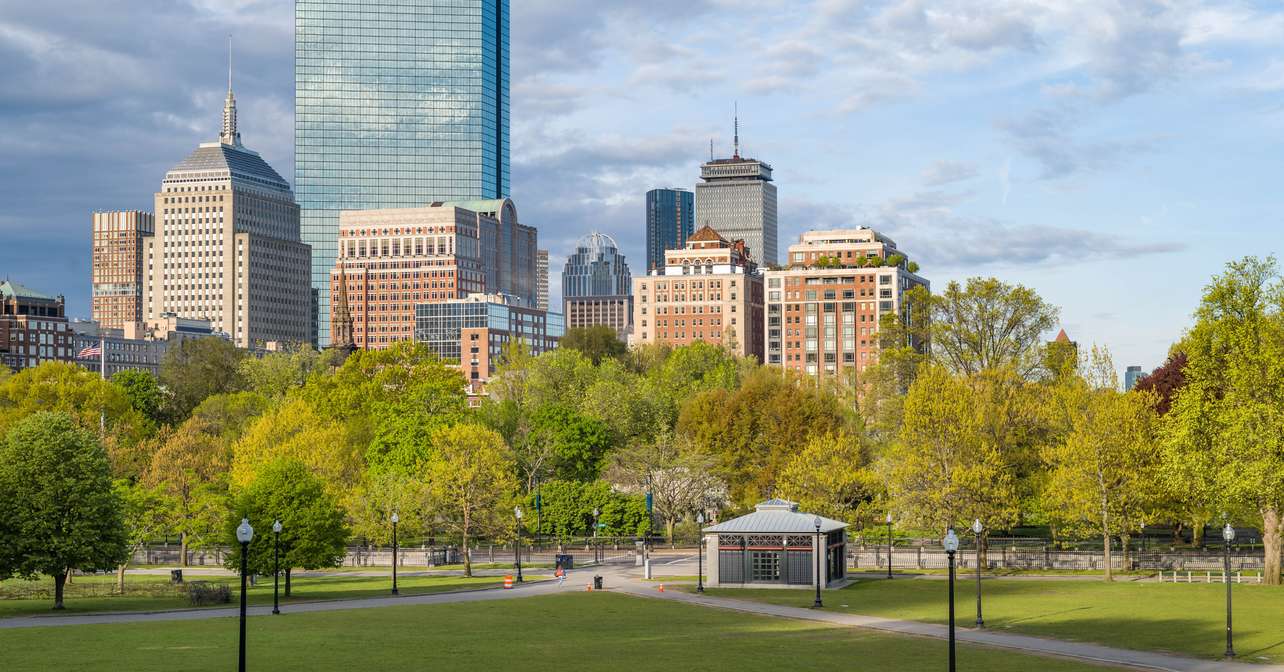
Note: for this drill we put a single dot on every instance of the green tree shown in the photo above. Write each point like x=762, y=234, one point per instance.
x=189, y=465
x=143, y=392
x=830, y=476
x=575, y=444
x=313, y=533
x=471, y=483
x=227, y=416
x=56, y=494
x=989, y=324
x=567, y=510
x=1229, y=416
x=382, y=493
x=277, y=373
x=675, y=471
x=295, y=430
x=143, y=511
x=196, y=369
x=597, y=342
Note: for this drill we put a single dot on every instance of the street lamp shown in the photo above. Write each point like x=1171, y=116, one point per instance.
x=816, y=521
x=977, y=528
x=1228, y=533
x=517, y=543
x=395, y=519
x=244, y=533
x=951, y=544
x=596, y=513
x=276, y=566
x=700, y=554
x=889, y=544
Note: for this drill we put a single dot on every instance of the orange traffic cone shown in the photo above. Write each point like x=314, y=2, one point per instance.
x=662, y=587
x=588, y=587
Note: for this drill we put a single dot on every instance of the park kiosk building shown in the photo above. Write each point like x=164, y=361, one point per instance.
x=776, y=546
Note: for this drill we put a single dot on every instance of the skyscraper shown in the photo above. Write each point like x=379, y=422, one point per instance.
x=596, y=286
x=397, y=104
x=227, y=247
x=1132, y=376
x=738, y=200
x=541, y=279
x=118, y=266
x=670, y=219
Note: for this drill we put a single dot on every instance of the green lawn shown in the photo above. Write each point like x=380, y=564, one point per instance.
x=151, y=593
x=1183, y=619
x=563, y=633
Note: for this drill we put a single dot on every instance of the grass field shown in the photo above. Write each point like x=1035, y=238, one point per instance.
x=1183, y=619
x=88, y=594
x=565, y=633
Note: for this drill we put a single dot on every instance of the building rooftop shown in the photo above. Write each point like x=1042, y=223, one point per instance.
x=237, y=161
x=706, y=233
x=10, y=289
x=777, y=516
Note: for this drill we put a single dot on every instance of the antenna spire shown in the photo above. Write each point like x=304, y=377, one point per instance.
x=736, y=153
x=229, y=62
x=711, y=150
x=229, y=134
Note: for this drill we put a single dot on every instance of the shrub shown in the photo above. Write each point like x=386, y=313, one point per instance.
x=203, y=593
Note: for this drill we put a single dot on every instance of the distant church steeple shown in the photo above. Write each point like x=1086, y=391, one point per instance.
x=229, y=136
x=341, y=321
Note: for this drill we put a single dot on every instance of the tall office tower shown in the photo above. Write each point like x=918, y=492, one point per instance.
x=227, y=248
x=708, y=291
x=824, y=311
x=541, y=279
x=596, y=286
x=118, y=266
x=738, y=200
x=398, y=104
x=670, y=220
x=1132, y=376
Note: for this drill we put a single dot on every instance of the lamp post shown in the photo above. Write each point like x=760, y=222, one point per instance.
x=539, y=518
x=244, y=533
x=596, y=513
x=889, y=544
x=517, y=543
x=700, y=554
x=1228, y=533
x=276, y=566
x=395, y=519
x=951, y=544
x=816, y=521
x=1143, y=537
x=977, y=528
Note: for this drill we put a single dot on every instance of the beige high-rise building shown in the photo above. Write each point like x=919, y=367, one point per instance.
x=541, y=279
x=227, y=246
x=710, y=291
x=118, y=266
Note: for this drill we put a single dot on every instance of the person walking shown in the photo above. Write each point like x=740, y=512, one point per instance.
x=561, y=575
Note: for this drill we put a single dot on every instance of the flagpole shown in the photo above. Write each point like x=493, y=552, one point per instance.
x=102, y=371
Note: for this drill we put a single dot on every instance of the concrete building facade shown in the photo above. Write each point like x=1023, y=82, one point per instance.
x=670, y=220
x=823, y=311
x=738, y=200
x=708, y=291
x=227, y=247
x=136, y=346
x=541, y=279
x=597, y=286
x=117, y=264
x=33, y=327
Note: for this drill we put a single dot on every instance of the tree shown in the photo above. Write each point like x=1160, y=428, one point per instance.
x=312, y=530
x=198, y=368
x=829, y=476
x=1104, y=473
x=1165, y=381
x=56, y=493
x=989, y=324
x=295, y=430
x=143, y=512
x=674, y=471
x=142, y=391
x=1229, y=416
x=574, y=444
x=597, y=342
x=227, y=416
x=188, y=462
x=277, y=373
x=471, y=483
x=567, y=510
x=382, y=493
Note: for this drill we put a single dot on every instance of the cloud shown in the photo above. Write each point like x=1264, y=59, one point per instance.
x=1051, y=137
x=946, y=171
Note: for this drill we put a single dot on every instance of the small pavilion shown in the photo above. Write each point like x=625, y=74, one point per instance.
x=775, y=546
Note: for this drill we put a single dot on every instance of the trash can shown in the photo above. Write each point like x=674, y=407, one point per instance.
x=597, y=583
x=565, y=561
x=175, y=576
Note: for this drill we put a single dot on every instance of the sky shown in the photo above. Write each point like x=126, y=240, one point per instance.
x=1113, y=156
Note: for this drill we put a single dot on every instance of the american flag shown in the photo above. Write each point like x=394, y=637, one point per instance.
x=91, y=351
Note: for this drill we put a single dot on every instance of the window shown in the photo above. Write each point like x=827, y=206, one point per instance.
x=765, y=566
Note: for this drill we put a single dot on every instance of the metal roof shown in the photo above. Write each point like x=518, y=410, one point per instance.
x=9, y=288
x=238, y=161
x=777, y=516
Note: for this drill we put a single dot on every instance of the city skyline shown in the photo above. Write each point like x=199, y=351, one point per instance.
x=1068, y=149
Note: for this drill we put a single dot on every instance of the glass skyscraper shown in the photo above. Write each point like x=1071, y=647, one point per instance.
x=398, y=103
x=670, y=219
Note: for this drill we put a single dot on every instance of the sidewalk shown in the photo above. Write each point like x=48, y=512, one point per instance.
x=1027, y=644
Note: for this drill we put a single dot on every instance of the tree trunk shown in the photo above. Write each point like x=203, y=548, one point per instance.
x=983, y=558
x=183, y=549
x=1105, y=553
x=120, y=578
x=668, y=529
x=59, y=580
x=468, y=557
x=1271, y=543
x=1125, y=553
x=1197, y=534
x=287, y=581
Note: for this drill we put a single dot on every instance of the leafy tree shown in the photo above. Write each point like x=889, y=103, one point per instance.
x=382, y=493
x=56, y=496
x=188, y=462
x=829, y=476
x=143, y=512
x=989, y=324
x=227, y=416
x=1104, y=473
x=277, y=373
x=567, y=510
x=1229, y=416
x=295, y=430
x=678, y=475
x=196, y=369
x=142, y=391
x=471, y=483
x=575, y=443
x=312, y=530
x=1165, y=381
x=597, y=342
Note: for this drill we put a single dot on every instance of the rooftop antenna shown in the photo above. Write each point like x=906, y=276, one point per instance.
x=710, y=150
x=229, y=61
x=736, y=153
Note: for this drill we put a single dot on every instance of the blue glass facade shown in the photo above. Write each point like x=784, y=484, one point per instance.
x=398, y=103
x=670, y=219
